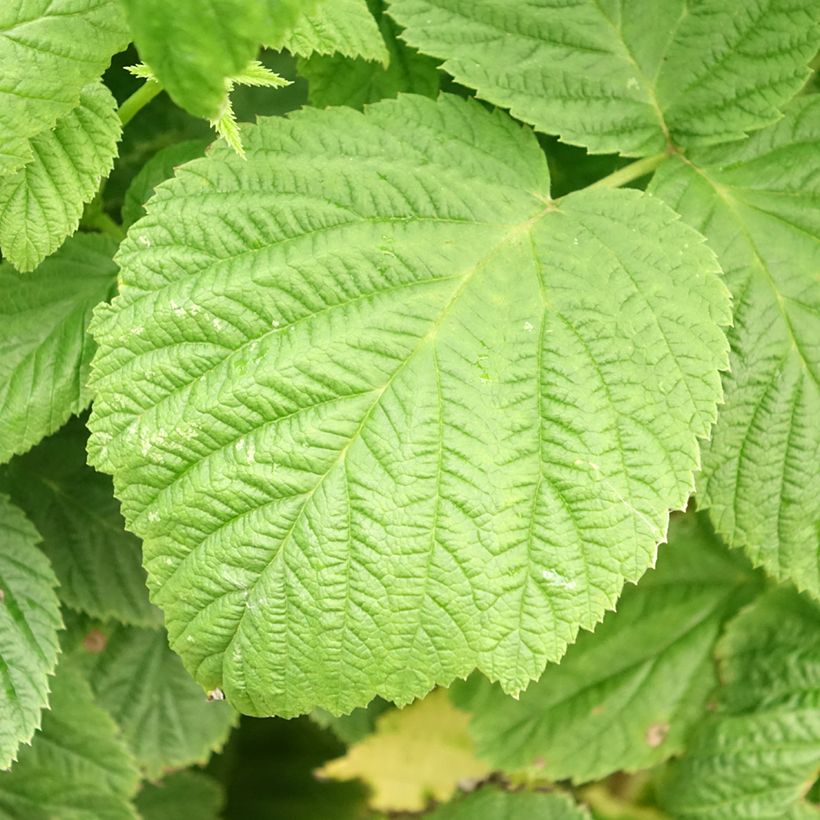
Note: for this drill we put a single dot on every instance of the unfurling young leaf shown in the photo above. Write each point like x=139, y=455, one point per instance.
x=380, y=419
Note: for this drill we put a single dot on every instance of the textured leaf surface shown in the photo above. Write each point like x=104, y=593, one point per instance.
x=165, y=717
x=381, y=418
x=98, y=563
x=182, y=794
x=41, y=204
x=44, y=350
x=337, y=80
x=77, y=767
x=49, y=50
x=490, y=803
x=29, y=621
x=759, y=205
x=415, y=754
x=343, y=27
x=160, y=167
x=597, y=74
x=627, y=696
x=760, y=752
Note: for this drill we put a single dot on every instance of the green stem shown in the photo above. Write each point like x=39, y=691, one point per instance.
x=138, y=100
x=103, y=222
x=631, y=172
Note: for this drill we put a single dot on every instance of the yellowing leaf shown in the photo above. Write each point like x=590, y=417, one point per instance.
x=415, y=754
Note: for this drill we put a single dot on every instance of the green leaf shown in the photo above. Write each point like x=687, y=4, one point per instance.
x=758, y=203
x=405, y=414
x=626, y=697
x=49, y=50
x=29, y=622
x=166, y=719
x=182, y=794
x=96, y=561
x=44, y=350
x=337, y=80
x=77, y=767
x=353, y=727
x=41, y=204
x=600, y=75
x=344, y=27
x=490, y=803
x=160, y=167
x=759, y=753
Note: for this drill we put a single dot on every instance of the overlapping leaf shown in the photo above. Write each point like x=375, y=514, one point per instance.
x=165, y=717
x=344, y=27
x=760, y=752
x=98, y=563
x=381, y=418
x=337, y=80
x=758, y=202
x=44, y=350
x=490, y=803
x=29, y=621
x=603, y=75
x=77, y=768
x=41, y=204
x=627, y=696
x=49, y=50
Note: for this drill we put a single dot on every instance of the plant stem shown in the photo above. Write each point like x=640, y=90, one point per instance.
x=103, y=222
x=138, y=100
x=633, y=171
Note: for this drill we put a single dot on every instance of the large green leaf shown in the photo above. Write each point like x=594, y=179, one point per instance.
x=337, y=80
x=49, y=50
x=627, y=696
x=96, y=561
x=344, y=27
x=77, y=767
x=381, y=417
x=29, y=621
x=760, y=752
x=490, y=803
x=758, y=203
x=41, y=204
x=600, y=73
x=165, y=717
x=44, y=350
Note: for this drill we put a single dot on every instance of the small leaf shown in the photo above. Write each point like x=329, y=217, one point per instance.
x=603, y=76
x=758, y=203
x=627, y=696
x=165, y=717
x=490, y=803
x=417, y=753
x=44, y=350
x=758, y=754
x=50, y=50
x=29, y=621
x=42, y=203
x=77, y=767
x=98, y=563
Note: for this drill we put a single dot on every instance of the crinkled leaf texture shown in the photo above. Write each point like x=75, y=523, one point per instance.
x=98, y=563
x=29, y=622
x=49, y=50
x=760, y=752
x=599, y=74
x=414, y=754
x=344, y=27
x=78, y=767
x=490, y=803
x=41, y=204
x=627, y=696
x=45, y=352
x=337, y=80
x=165, y=717
x=758, y=203
x=381, y=417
